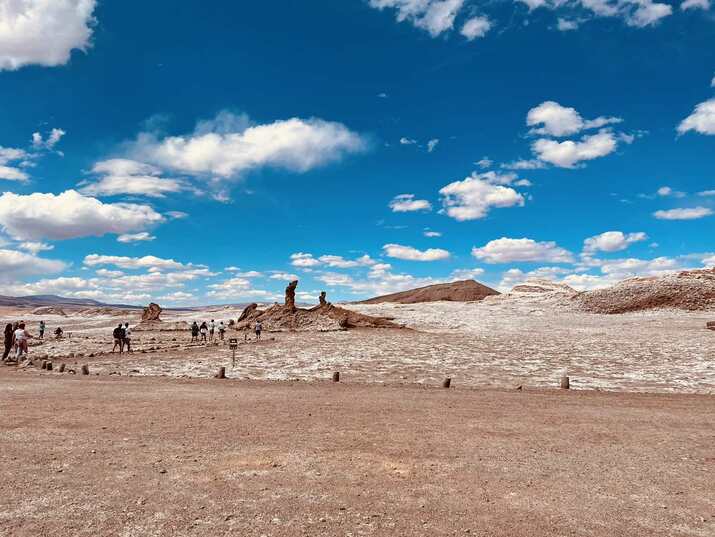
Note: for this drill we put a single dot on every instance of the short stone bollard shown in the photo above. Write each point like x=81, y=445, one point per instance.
x=221, y=373
x=62, y=368
x=336, y=376
x=565, y=383
x=85, y=370
x=446, y=383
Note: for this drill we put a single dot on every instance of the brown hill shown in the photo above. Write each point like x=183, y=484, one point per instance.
x=692, y=290
x=462, y=291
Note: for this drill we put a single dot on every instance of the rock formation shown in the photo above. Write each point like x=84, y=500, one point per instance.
x=462, y=291
x=49, y=310
x=151, y=312
x=323, y=317
x=710, y=325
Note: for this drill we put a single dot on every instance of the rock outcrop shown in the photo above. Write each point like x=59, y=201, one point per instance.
x=691, y=290
x=323, y=317
x=710, y=325
x=151, y=312
x=49, y=310
x=462, y=291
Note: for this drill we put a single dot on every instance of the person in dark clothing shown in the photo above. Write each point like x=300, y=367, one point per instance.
x=119, y=334
x=9, y=340
x=194, y=332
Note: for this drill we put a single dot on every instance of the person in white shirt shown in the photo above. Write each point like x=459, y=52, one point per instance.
x=21, y=337
x=127, y=337
x=221, y=330
x=212, y=327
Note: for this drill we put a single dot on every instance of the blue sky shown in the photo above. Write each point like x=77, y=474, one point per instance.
x=199, y=153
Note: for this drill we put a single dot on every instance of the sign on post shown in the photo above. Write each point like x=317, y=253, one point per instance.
x=233, y=345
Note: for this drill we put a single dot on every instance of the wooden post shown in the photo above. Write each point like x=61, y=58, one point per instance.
x=336, y=376
x=565, y=383
x=446, y=383
x=62, y=368
x=221, y=373
x=85, y=369
x=49, y=366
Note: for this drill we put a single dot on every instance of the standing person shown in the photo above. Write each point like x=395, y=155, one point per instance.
x=128, y=337
x=118, y=335
x=194, y=332
x=42, y=329
x=9, y=336
x=204, y=331
x=259, y=329
x=21, y=338
x=221, y=330
x=212, y=327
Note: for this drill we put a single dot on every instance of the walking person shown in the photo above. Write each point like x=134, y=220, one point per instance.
x=9, y=336
x=212, y=328
x=128, y=337
x=259, y=329
x=203, y=329
x=118, y=335
x=42, y=329
x=194, y=332
x=221, y=330
x=21, y=338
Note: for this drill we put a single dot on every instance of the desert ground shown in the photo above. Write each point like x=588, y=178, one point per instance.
x=151, y=444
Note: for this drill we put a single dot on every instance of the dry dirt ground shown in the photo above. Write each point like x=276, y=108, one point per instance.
x=99, y=456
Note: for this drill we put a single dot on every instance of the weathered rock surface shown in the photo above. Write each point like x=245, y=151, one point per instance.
x=462, y=291
x=323, y=317
x=710, y=325
x=691, y=290
x=49, y=310
x=162, y=326
x=152, y=312
x=540, y=286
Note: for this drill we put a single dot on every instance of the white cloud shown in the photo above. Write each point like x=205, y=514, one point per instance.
x=434, y=16
x=228, y=147
x=20, y=264
x=647, y=13
x=566, y=25
x=473, y=197
x=466, y=274
x=691, y=213
x=409, y=253
x=407, y=141
x=432, y=144
x=70, y=215
x=706, y=193
x=430, y=233
x=136, y=237
x=10, y=160
x=695, y=4
x=285, y=276
x=523, y=164
x=35, y=247
x=702, y=119
x=124, y=176
x=147, y=261
x=515, y=276
x=476, y=27
x=38, y=142
x=484, y=162
x=557, y=120
x=568, y=154
x=43, y=32
x=507, y=250
x=303, y=260
x=612, y=241
x=407, y=203
x=239, y=288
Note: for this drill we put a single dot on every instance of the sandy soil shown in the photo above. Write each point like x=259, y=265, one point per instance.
x=498, y=343
x=89, y=456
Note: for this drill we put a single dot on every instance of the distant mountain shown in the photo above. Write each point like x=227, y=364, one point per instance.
x=54, y=300
x=462, y=291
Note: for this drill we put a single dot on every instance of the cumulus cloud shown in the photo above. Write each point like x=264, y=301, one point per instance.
x=136, y=237
x=612, y=241
x=303, y=260
x=38, y=142
x=407, y=203
x=475, y=196
x=35, y=247
x=43, y=32
x=431, y=233
x=228, y=146
x=552, y=119
x=15, y=264
x=565, y=25
x=476, y=27
x=239, y=288
x=306, y=260
x=434, y=16
x=11, y=159
x=691, y=213
x=285, y=276
x=147, y=261
x=568, y=154
x=506, y=250
x=124, y=176
x=432, y=144
x=466, y=274
x=695, y=4
x=407, y=141
x=409, y=253
x=702, y=119
x=70, y=215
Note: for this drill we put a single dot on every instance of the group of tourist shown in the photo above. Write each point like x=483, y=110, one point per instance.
x=207, y=331
x=122, y=335
x=16, y=338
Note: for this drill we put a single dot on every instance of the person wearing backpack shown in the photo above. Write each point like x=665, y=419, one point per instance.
x=119, y=334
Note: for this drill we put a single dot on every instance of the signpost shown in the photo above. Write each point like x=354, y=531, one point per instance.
x=233, y=345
